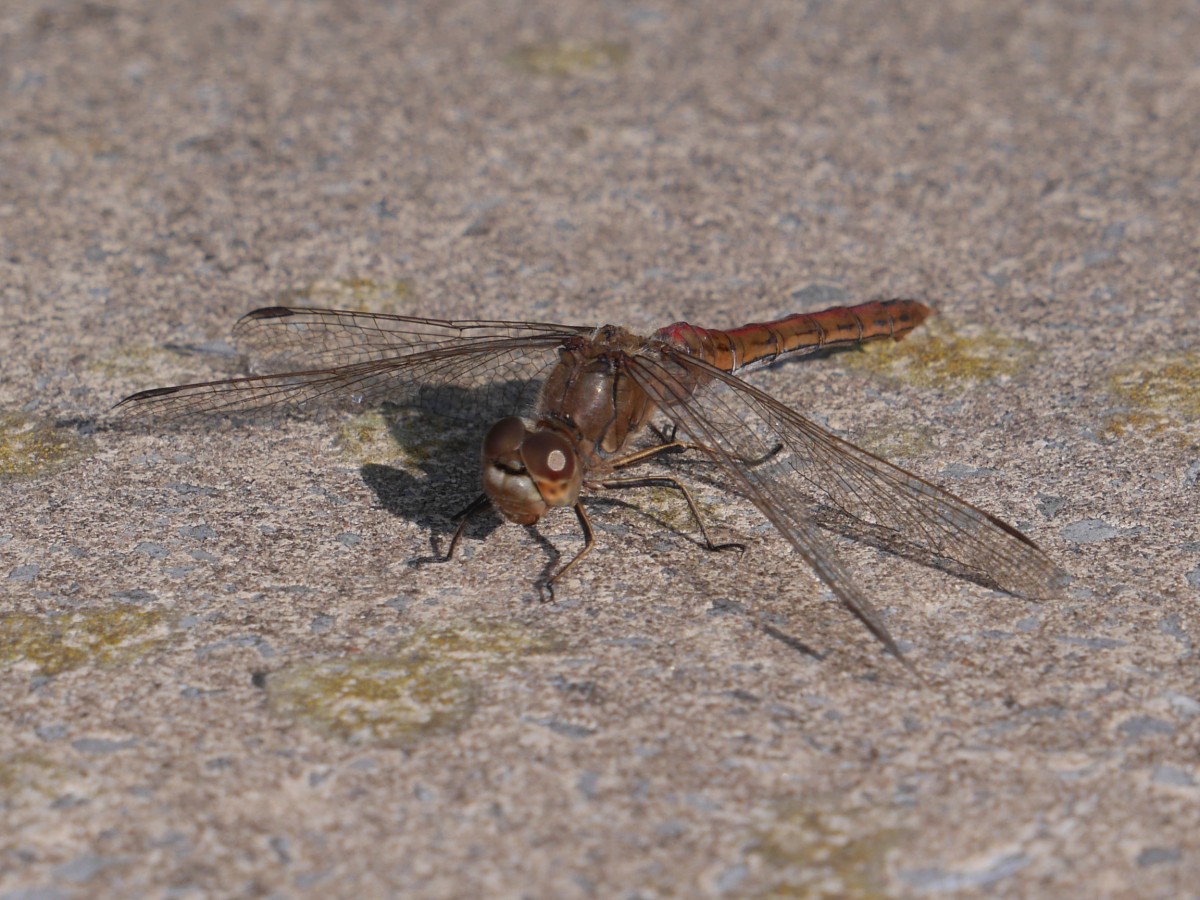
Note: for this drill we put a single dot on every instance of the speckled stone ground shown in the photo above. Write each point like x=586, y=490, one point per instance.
x=221, y=673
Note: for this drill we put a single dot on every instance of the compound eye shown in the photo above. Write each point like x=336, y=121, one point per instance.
x=548, y=456
x=504, y=438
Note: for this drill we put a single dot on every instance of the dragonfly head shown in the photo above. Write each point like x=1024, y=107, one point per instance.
x=528, y=470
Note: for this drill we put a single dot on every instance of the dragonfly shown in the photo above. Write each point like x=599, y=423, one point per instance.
x=579, y=403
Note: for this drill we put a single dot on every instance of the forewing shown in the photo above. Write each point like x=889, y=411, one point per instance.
x=792, y=469
x=465, y=369
x=288, y=338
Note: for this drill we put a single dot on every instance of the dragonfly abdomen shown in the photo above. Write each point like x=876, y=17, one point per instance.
x=760, y=343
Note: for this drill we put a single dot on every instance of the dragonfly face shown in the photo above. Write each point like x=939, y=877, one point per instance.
x=528, y=470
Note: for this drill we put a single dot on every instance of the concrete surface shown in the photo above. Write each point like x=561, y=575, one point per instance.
x=221, y=673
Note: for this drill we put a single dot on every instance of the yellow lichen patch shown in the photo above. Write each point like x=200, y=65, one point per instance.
x=138, y=367
x=30, y=447
x=939, y=356
x=388, y=701
x=136, y=362
x=564, y=58
x=408, y=436
x=895, y=443
x=430, y=685
x=359, y=294
x=668, y=505
x=366, y=439
x=812, y=851
x=1163, y=392
x=66, y=148
x=53, y=644
x=28, y=776
x=483, y=642
x=1133, y=422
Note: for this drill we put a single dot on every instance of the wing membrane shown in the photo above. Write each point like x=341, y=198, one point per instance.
x=318, y=357
x=790, y=468
x=282, y=338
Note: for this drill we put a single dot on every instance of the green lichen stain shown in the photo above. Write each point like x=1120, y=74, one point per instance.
x=818, y=852
x=135, y=362
x=365, y=438
x=58, y=643
x=669, y=506
x=358, y=294
x=566, y=58
x=30, y=447
x=431, y=685
x=28, y=778
x=1162, y=393
x=388, y=701
x=407, y=436
x=895, y=443
x=939, y=356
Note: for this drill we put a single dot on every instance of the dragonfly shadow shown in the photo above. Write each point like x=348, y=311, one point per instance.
x=894, y=543
x=792, y=643
x=428, y=502
x=840, y=522
x=690, y=531
x=445, y=450
x=446, y=453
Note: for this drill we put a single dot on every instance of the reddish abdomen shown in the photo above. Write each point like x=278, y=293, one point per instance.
x=765, y=342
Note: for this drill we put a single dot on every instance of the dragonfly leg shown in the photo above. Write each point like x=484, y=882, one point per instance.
x=649, y=453
x=661, y=480
x=664, y=436
x=464, y=516
x=589, y=541
x=670, y=443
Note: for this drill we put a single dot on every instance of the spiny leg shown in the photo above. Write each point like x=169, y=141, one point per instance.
x=465, y=515
x=661, y=480
x=669, y=442
x=589, y=541
x=650, y=452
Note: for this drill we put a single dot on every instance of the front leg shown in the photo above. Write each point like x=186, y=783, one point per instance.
x=652, y=480
x=465, y=515
x=669, y=442
x=589, y=541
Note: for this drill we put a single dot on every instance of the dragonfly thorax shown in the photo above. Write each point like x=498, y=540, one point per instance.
x=528, y=470
x=590, y=393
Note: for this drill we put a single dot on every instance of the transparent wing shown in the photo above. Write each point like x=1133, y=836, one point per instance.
x=460, y=369
x=282, y=338
x=792, y=469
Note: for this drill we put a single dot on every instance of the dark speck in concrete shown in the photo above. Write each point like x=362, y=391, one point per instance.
x=1145, y=726
x=1153, y=856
